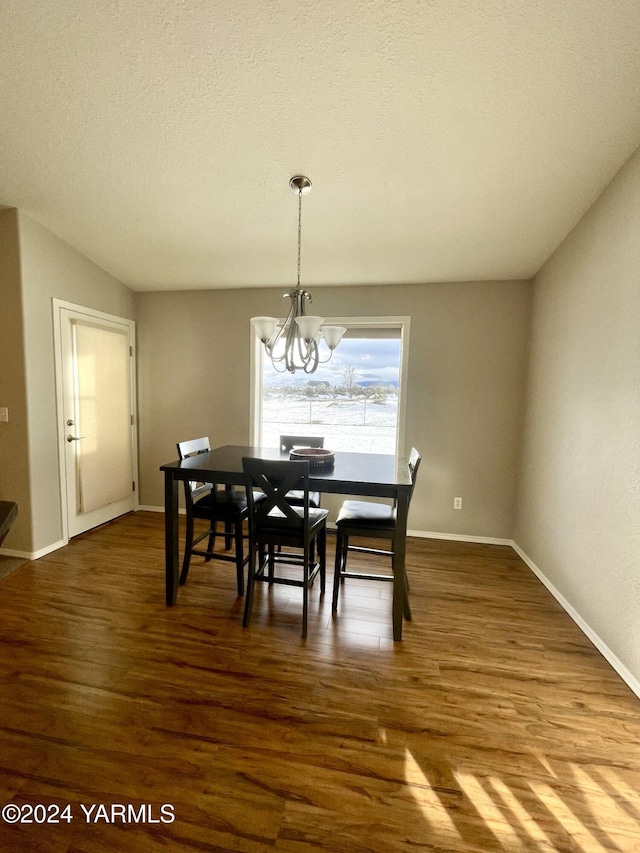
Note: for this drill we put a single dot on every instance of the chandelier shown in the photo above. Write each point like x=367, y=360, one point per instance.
x=295, y=344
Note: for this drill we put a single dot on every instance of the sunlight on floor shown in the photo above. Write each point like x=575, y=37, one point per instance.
x=614, y=783
x=581, y=836
x=519, y=812
x=594, y=793
x=488, y=810
x=434, y=812
x=512, y=824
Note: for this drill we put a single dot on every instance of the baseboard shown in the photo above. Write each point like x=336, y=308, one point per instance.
x=9, y=552
x=156, y=509
x=420, y=534
x=630, y=680
x=31, y=555
x=459, y=537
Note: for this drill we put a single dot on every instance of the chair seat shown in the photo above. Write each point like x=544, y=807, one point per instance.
x=365, y=514
x=296, y=498
x=278, y=521
x=224, y=502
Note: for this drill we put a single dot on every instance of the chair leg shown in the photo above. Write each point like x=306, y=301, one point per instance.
x=188, y=545
x=212, y=540
x=248, y=601
x=305, y=607
x=322, y=556
x=305, y=592
x=239, y=557
x=345, y=554
x=227, y=535
x=406, y=606
x=272, y=564
x=340, y=550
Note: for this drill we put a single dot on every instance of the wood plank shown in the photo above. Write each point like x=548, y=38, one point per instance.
x=494, y=726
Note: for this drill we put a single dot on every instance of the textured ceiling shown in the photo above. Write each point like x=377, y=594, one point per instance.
x=445, y=139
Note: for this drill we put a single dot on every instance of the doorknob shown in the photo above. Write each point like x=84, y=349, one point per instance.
x=73, y=438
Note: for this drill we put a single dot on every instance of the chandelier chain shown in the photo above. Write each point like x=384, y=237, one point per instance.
x=299, y=231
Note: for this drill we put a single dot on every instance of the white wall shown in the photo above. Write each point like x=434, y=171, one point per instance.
x=578, y=517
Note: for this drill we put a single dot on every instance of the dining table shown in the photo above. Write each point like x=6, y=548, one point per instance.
x=359, y=474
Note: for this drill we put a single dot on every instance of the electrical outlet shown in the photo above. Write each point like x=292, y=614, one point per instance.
x=457, y=503
x=4, y=415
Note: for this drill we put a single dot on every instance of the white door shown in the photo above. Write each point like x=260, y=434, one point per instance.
x=97, y=423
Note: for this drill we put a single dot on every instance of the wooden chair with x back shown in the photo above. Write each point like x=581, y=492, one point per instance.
x=274, y=522
x=217, y=507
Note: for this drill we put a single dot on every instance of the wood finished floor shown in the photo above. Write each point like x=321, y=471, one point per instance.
x=494, y=726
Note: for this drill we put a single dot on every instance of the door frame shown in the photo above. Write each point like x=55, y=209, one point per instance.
x=91, y=314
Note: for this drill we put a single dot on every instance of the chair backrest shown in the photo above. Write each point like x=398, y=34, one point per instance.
x=289, y=442
x=192, y=488
x=275, y=478
x=193, y=447
x=414, y=464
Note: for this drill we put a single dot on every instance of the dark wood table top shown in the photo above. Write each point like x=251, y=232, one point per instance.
x=374, y=474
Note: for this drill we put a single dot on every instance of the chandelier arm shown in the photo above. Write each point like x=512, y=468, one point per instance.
x=312, y=366
x=292, y=336
x=289, y=348
x=310, y=362
x=303, y=356
x=270, y=346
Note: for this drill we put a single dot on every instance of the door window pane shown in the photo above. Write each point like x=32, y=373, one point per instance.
x=103, y=453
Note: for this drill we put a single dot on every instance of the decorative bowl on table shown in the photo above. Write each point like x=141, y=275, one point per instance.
x=317, y=457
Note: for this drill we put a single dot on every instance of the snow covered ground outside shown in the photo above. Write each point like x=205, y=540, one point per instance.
x=357, y=425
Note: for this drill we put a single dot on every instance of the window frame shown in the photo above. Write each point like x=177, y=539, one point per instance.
x=257, y=355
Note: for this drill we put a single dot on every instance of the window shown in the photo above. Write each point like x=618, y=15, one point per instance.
x=355, y=401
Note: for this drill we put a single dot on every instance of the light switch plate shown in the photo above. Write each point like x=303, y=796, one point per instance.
x=4, y=415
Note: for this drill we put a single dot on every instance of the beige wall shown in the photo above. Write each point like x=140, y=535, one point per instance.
x=49, y=268
x=14, y=448
x=578, y=517
x=467, y=364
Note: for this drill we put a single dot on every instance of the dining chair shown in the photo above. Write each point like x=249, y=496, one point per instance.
x=218, y=507
x=364, y=519
x=292, y=442
x=274, y=522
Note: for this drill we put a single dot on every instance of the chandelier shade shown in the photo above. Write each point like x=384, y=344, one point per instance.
x=294, y=344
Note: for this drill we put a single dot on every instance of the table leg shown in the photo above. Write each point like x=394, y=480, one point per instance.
x=399, y=585
x=171, y=537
